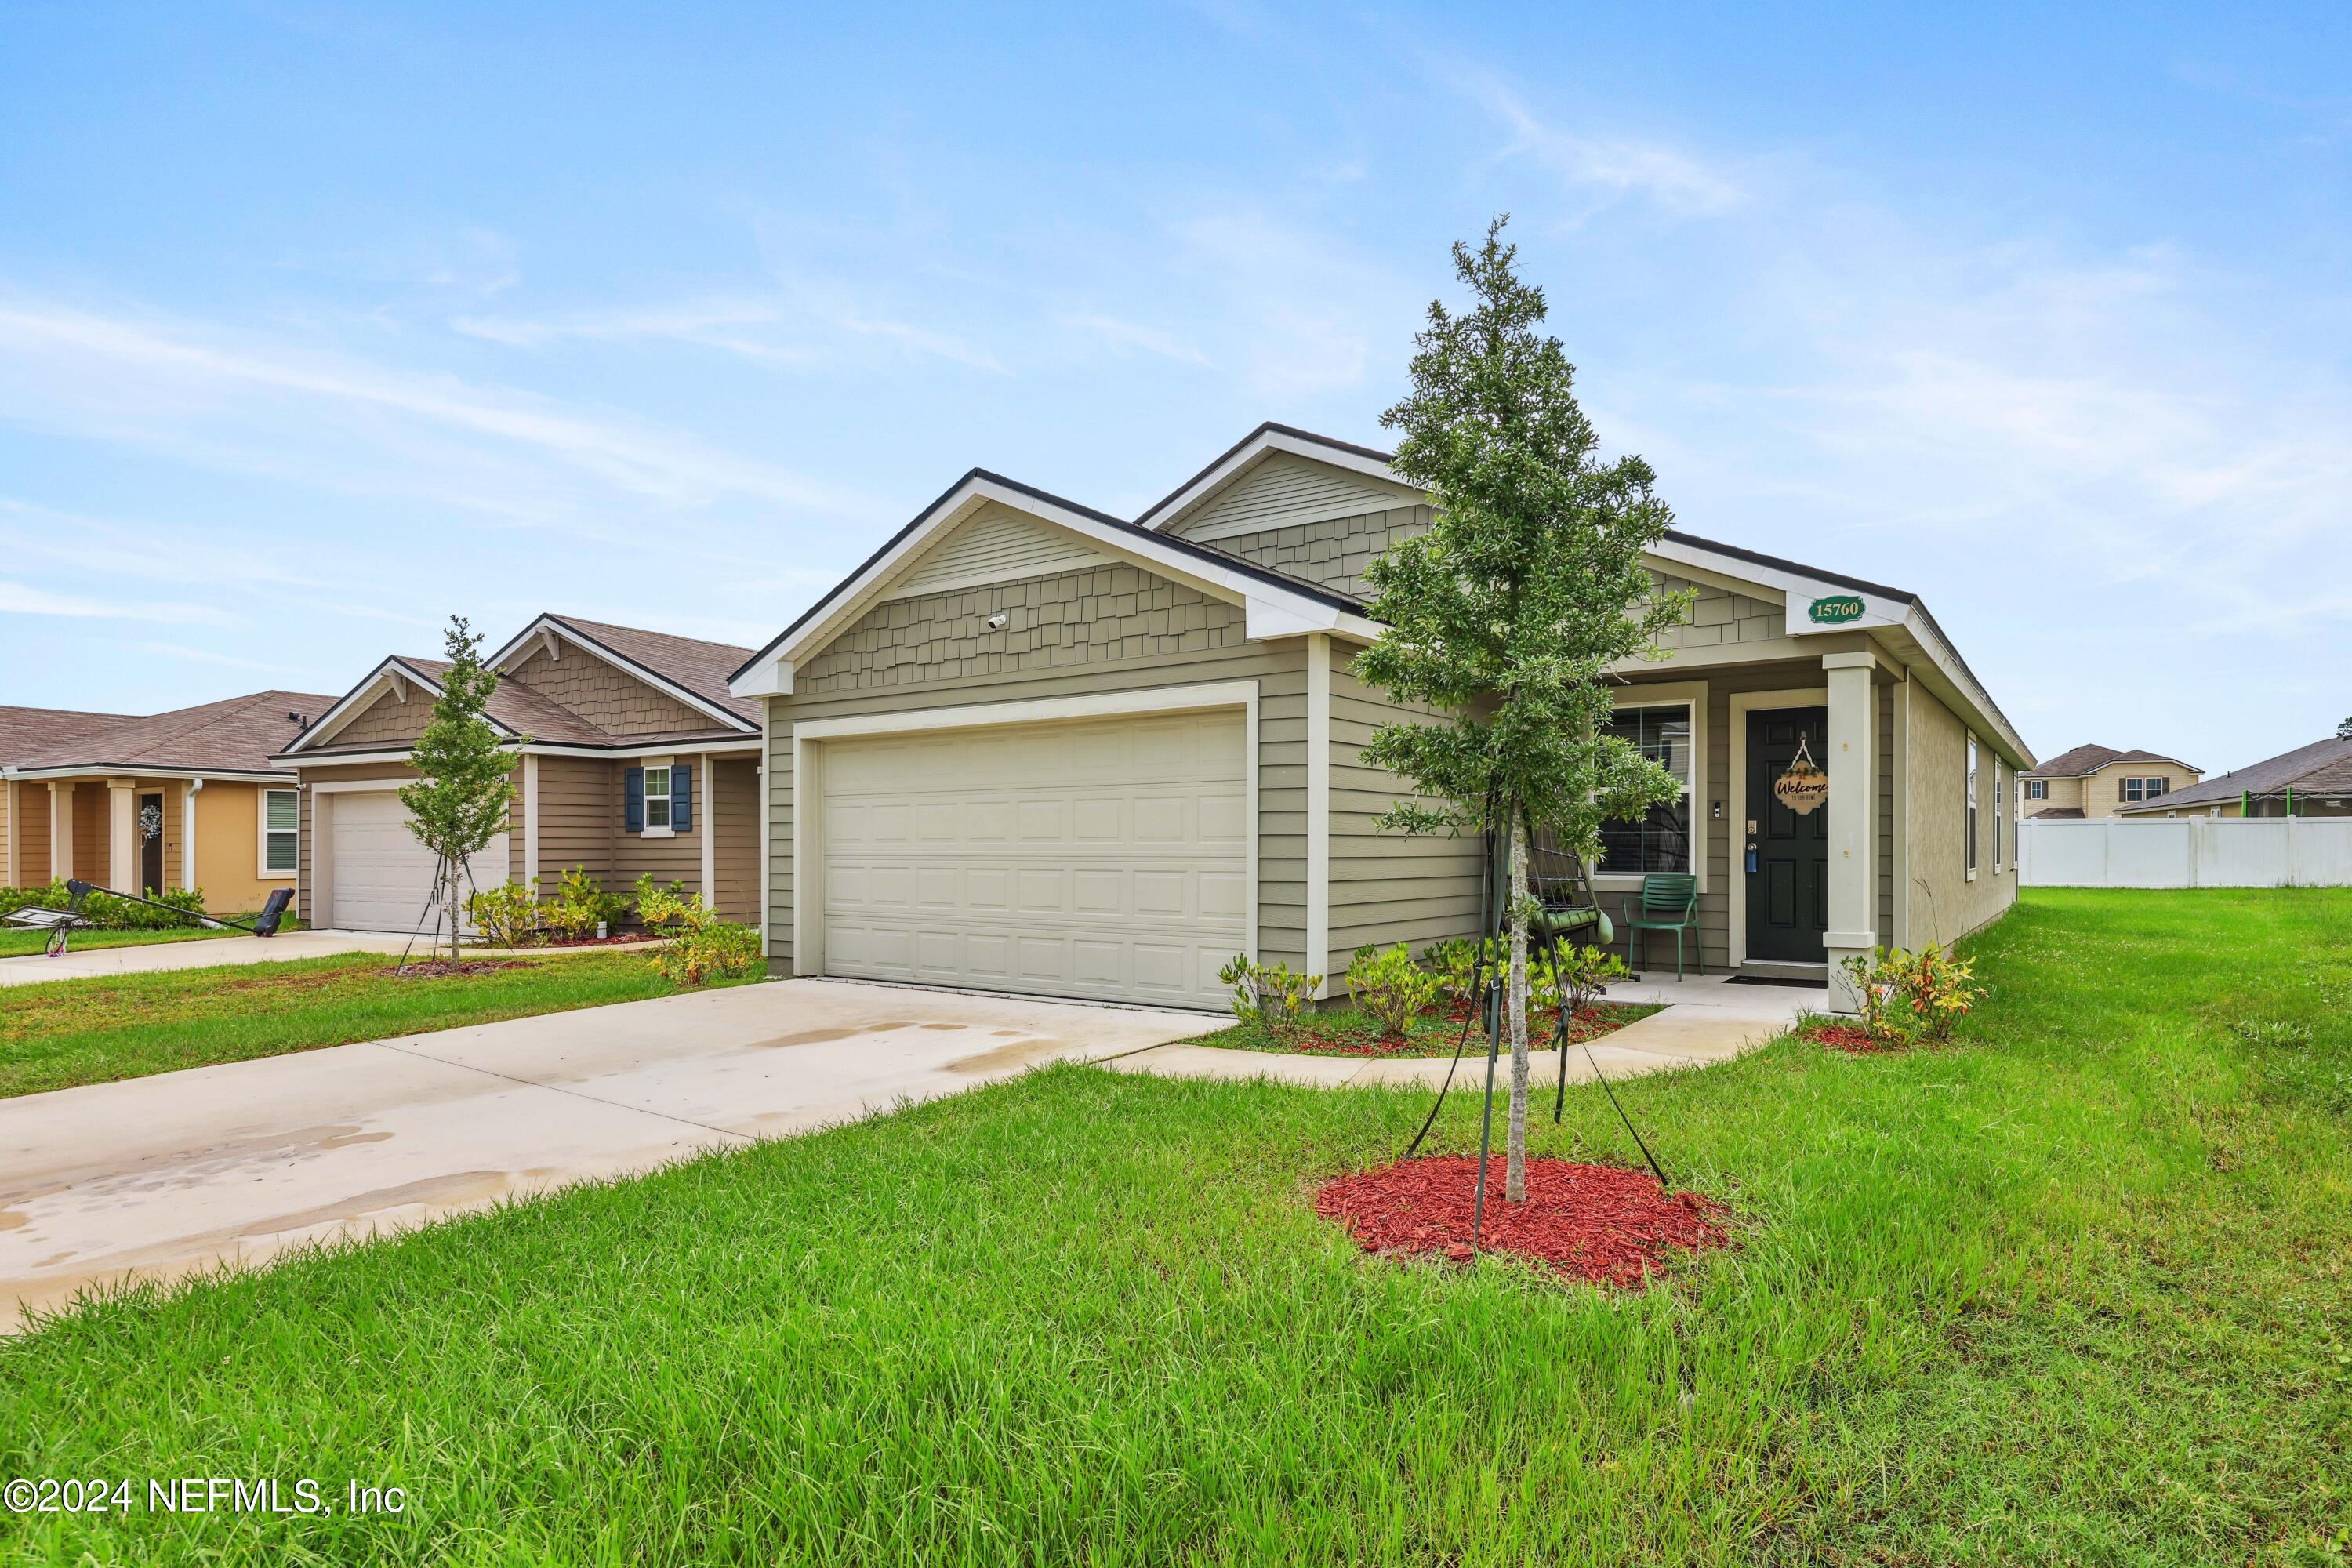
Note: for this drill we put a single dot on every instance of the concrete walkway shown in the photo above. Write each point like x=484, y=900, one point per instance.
x=82, y=963
x=1702, y=1021
x=161, y=1176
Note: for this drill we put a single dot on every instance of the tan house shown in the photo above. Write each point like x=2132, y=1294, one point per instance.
x=633, y=758
x=2310, y=781
x=168, y=801
x=1031, y=747
x=2098, y=780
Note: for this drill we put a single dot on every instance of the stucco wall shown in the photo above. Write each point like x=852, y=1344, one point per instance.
x=228, y=846
x=1945, y=903
x=1095, y=630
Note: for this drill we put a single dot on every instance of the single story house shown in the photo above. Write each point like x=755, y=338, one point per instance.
x=1029, y=746
x=2098, y=780
x=632, y=757
x=167, y=801
x=2310, y=781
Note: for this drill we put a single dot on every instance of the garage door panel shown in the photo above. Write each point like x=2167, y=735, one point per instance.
x=1101, y=859
x=381, y=875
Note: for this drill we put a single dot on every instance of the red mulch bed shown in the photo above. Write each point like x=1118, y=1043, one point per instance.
x=438, y=968
x=1589, y=1025
x=1594, y=1223
x=1851, y=1039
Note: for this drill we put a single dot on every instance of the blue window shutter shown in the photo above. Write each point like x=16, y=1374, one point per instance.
x=681, y=798
x=633, y=800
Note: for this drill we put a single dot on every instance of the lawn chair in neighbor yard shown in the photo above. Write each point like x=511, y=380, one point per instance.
x=56, y=922
x=1668, y=902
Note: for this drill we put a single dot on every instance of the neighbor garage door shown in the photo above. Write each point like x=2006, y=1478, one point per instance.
x=380, y=874
x=1105, y=859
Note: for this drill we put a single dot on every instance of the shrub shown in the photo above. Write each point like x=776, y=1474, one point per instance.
x=580, y=905
x=1906, y=995
x=714, y=950
x=1584, y=972
x=107, y=912
x=1455, y=963
x=505, y=916
x=671, y=908
x=1388, y=984
x=1268, y=993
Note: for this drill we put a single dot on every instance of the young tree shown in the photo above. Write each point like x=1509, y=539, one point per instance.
x=1508, y=613
x=466, y=788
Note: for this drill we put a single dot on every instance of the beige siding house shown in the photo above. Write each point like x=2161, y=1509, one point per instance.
x=632, y=759
x=2090, y=781
x=181, y=800
x=1031, y=747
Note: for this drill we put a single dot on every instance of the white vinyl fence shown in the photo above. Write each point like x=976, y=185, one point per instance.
x=2185, y=852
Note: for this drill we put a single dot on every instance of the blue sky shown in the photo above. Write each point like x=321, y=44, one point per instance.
x=320, y=322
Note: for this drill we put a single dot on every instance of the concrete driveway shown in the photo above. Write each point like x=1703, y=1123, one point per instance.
x=82, y=963
x=158, y=1176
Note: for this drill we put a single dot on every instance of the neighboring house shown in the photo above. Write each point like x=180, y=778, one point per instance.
x=633, y=758
x=2098, y=780
x=1028, y=746
x=184, y=799
x=2310, y=781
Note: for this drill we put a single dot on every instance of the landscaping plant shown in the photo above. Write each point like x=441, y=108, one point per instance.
x=1387, y=984
x=580, y=905
x=1584, y=972
x=1455, y=963
x=1268, y=993
x=465, y=790
x=710, y=950
x=104, y=911
x=1509, y=612
x=505, y=916
x=1906, y=996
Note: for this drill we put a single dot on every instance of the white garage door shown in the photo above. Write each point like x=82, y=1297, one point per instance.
x=1105, y=859
x=381, y=876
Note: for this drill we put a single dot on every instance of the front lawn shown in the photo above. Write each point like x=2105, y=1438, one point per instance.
x=16, y=941
x=2077, y=1288
x=1353, y=1032
x=98, y=1029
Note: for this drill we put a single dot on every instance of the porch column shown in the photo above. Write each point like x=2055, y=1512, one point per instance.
x=61, y=865
x=1853, y=763
x=188, y=834
x=16, y=826
x=122, y=837
x=707, y=806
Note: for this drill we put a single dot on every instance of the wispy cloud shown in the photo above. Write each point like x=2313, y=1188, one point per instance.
x=1130, y=334
x=25, y=599
x=803, y=326
x=1610, y=166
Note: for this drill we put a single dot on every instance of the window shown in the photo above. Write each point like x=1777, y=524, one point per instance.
x=1661, y=840
x=658, y=799
x=2132, y=790
x=2037, y=789
x=1972, y=805
x=280, y=820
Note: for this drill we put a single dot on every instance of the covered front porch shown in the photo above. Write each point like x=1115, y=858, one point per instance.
x=146, y=833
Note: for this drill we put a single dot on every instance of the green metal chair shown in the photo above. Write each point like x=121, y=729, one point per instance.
x=1669, y=901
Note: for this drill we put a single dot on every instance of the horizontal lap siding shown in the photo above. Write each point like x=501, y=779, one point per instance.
x=32, y=830
x=736, y=792
x=579, y=818
x=1070, y=634
x=1386, y=887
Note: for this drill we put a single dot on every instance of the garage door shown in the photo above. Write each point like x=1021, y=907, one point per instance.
x=381, y=875
x=1105, y=859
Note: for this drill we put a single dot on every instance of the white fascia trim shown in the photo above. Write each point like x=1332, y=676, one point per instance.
x=1172, y=510
x=1797, y=589
x=1977, y=708
x=748, y=746
x=550, y=627
x=1037, y=710
x=140, y=770
x=1270, y=611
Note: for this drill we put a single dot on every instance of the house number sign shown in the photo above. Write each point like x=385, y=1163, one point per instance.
x=1837, y=610
x=1803, y=787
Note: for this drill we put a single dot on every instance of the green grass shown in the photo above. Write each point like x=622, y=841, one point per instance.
x=2078, y=1290
x=17, y=942
x=94, y=1030
x=1431, y=1034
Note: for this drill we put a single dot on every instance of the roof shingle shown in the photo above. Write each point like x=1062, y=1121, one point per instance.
x=237, y=734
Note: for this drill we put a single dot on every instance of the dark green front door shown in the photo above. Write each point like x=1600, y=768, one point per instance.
x=1787, y=855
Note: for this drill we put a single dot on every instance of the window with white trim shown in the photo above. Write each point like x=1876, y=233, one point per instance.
x=1972, y=805
x=1661, y=839
x=2037, y=789
x=2140, y=789
x=281, y=820
x=658, y=799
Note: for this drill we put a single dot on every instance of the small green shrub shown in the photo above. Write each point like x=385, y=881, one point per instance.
x=580, y=905
x=713, y=949
x=1388, y=984
x=1584, y=972
x=671, y=908
x=1907, y=996
x=505, y=916
x=107, y=912
x=1455, y=963
x=1271, y=995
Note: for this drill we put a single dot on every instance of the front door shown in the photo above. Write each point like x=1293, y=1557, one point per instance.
x=1787, y=855
x=150, y=844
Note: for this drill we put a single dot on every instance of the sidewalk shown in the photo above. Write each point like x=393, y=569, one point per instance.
x=1700, y=1022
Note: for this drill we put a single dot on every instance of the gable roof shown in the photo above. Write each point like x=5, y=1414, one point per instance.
x=2085, y=760
x=234, y=735
x=2323, y=767
x=1280, y=604
x=689, y=669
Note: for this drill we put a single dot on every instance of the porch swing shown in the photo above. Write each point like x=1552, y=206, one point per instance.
x=1562, y=886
